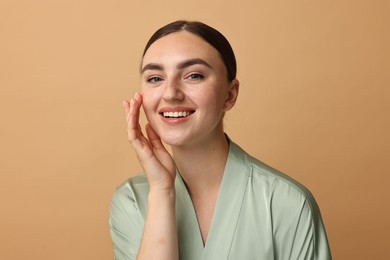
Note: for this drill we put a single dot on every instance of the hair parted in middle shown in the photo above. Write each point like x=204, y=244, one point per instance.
x=208, y=34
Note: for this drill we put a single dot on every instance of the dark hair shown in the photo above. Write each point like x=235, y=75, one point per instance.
x=207, y=33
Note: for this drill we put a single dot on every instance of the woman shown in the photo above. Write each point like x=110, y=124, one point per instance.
x=209, y=199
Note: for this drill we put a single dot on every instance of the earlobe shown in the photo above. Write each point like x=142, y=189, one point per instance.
x=232, y=95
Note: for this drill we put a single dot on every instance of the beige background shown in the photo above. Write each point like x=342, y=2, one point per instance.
x=314, y=103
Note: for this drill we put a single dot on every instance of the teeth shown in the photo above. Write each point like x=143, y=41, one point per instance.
x=176, y=114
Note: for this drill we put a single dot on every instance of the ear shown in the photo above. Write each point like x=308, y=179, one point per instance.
x=232, y=95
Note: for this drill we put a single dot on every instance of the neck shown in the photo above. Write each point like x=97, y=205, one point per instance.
x=202, y=165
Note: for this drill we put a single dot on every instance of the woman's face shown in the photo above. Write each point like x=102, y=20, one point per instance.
x=185, y=89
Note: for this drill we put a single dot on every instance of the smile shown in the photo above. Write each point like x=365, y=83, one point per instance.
x=176, y=114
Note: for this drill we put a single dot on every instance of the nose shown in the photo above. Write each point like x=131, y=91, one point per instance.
x=172, y=91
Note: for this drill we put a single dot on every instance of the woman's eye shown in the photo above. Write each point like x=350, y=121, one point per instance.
x=195, y=76
x=154, y=79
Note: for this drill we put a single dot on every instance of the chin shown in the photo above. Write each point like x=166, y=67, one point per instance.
x=173, y=140
x=176, y=138
x=170, y=136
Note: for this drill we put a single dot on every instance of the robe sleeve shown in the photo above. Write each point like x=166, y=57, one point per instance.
x=126, y=225
x=299, y=233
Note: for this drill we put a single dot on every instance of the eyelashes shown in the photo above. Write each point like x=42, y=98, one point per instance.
x=195, y=76
x=154, y=79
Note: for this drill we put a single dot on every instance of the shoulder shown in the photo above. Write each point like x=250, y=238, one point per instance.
x=293, y=212
x=131, y=194
x=285, y=191
x=278, y=180
x=281, y=190
x=294, y=215
x=126, y=217
x=130, y=188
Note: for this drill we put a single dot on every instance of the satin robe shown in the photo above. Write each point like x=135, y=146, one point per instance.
x=260, y=214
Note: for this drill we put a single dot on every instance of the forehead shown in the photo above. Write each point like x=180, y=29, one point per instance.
x=178, y=46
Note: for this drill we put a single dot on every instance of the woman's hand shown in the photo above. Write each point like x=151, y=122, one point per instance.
x=156, y=161
x=159, y=239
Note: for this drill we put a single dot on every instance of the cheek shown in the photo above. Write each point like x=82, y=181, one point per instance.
x=149, y=102
x=214, y=99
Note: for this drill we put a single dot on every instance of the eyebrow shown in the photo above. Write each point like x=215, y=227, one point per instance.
x=191, y=62
x=151, y=66
x=181, y=65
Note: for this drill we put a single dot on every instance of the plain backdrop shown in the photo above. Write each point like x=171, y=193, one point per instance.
x=314, y=103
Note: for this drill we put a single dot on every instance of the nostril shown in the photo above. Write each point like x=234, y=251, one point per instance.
x=172, y=92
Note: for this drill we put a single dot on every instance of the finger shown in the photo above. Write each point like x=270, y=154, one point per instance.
x=160, y=151
x=133, y=126
x=154, y=139
x=126, y=108
x=134, y=111
x=138, y=97
x=135, y=106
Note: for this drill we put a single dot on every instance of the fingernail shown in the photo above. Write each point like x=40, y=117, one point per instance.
x=136, y=95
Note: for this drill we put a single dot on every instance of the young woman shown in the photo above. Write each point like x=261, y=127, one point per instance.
x=209, y=199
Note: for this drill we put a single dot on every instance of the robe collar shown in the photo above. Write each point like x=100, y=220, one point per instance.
x=226, y=213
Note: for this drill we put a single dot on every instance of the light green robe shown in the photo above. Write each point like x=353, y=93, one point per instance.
x=260, y=214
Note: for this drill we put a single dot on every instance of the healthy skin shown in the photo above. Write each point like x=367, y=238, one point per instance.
x=185, y=94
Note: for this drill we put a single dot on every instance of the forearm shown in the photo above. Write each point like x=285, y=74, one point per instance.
x=159, y=240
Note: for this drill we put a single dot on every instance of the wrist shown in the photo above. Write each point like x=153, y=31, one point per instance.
x=162, y=193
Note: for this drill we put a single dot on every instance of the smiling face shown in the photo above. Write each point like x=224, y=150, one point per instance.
x=185, y=89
